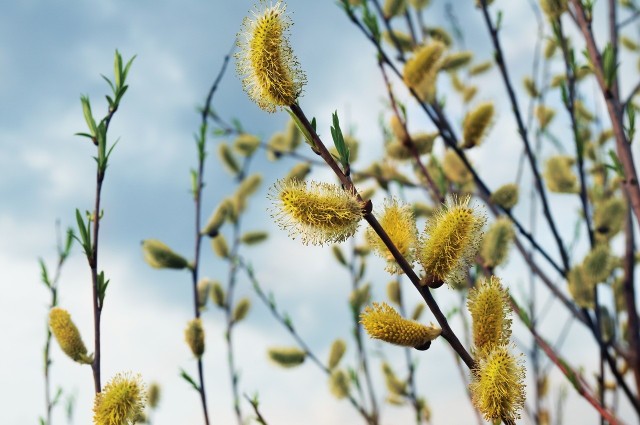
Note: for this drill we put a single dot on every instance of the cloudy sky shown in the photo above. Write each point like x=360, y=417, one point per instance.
x=50, y=54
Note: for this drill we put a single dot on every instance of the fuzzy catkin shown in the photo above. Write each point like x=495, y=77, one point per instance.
x=270, y=72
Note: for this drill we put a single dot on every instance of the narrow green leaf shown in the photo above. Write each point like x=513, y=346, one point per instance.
x=88, y=117
x=617, y=165
x=189, y=379
x=44, y=275
x=338, y=141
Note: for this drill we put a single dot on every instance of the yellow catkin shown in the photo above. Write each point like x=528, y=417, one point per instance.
x=194, y=336
x=120, y=402
x=287, y=356
x=450, y=242
x=530, y=87
x=559, y=176
x=424, y=65
x=420, y=4
x=254, y=238
x=242, y=309
x=581, y=287
x=423, y=143
x=480, y=68
x=216, y=220
x=336, y=353
x=228, y=160
x=299, y=171
x=217, y=294
x=395, y=385
x=398, y=221
x=381, y=321
x=441, y=35
x=608, y=217
x=160, y=256
x=544, y=115
x=270, y=72
x=339, y=383
x=455, y=169
x=598, y=264
x=497, y=385
x=319, y=213
x=360, y=297
x=553, y=8
x=506, y=196
x=249, y=185
x=497, y=242
x=220, y=246
x=393, y=8
x=488, y=304
x=153, y=395
x=246, y=144
x=455, y=61
x=68, y=335
x=404, y=40
x=468, y=93
x=476, y=124
x=203, y=290
x=393, y=292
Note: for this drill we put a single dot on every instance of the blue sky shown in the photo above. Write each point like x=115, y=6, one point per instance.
x=50, y=54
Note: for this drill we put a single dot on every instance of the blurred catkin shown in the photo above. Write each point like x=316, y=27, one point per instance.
x=160, y=256
x=476, y=124
x=287, y=356
x=497, y=242
x=506, y=196
x=194, y=336
x=336, y=353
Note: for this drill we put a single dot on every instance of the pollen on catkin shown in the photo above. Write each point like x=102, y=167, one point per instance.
x=398, y=221
x=488, y=304
x=270, y=72
x=68, y=336
x=476, y=124
x=497, y=385
x=121, y=401
x=381, y=321
x=450, y=241
x=319, y=213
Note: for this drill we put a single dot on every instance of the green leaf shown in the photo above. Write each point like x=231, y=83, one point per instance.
x=102, y=287
x=609, y=66
x=88, y=117
x=44, y=275
x=85, y=239
x=125, y=72
x=617, y=165
x=189, y=379
x=338, y=141
x=371, y=22
x=117, y=69
x=631, y=119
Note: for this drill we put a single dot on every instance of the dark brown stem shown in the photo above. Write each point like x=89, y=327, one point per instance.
x=97, y=308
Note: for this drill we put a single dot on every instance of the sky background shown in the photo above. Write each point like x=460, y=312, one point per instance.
x=50, y=54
